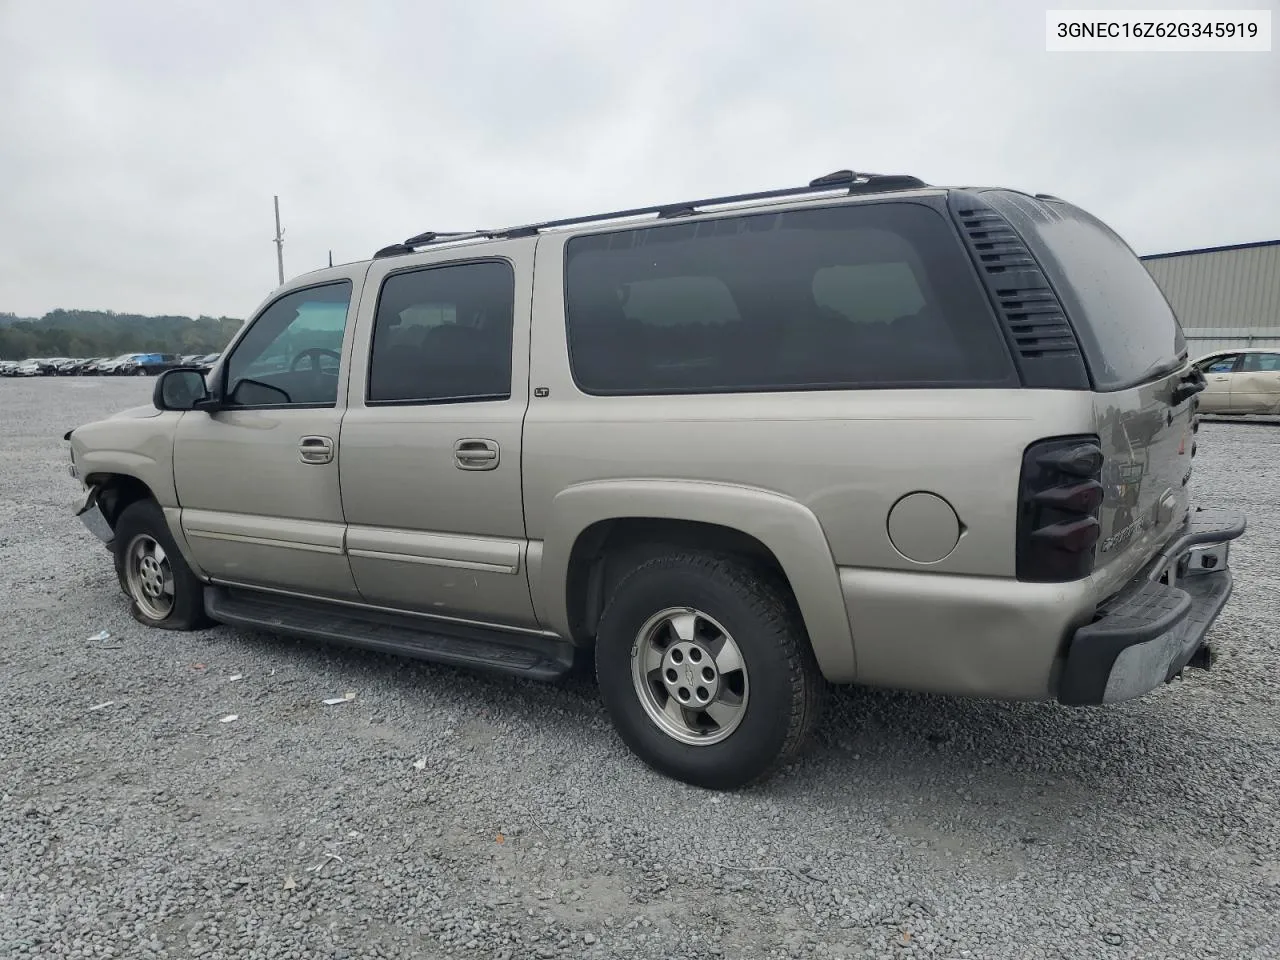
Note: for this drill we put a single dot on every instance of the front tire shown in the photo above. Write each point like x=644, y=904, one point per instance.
x=162, y=590
x=706, y=671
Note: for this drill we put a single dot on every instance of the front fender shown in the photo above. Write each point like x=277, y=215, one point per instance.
x=139, y=447
x=785, y=526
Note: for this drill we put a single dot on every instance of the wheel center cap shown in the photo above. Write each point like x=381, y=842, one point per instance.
x=690, y=675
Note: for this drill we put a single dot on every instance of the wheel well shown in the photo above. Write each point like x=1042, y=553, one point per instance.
x=116, y=491
x=609, y=549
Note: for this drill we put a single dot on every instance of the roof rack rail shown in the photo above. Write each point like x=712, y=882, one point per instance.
x=430, y=237
x=846, y=180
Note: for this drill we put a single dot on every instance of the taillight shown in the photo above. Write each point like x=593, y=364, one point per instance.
x=1059, y=496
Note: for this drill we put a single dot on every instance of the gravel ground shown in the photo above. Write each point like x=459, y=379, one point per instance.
x=440, y=814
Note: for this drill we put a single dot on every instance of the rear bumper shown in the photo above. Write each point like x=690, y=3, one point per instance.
x=1149, y=632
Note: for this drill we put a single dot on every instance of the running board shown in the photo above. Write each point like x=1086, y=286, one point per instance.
x=460, y=645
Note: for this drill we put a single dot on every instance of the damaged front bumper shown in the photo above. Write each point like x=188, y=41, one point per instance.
x=94, y=519
x=1154, y=628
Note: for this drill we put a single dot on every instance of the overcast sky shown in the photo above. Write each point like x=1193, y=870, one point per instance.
x=141, y=142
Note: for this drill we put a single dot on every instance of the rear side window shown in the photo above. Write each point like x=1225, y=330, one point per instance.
x=858, y=295
x=1126, y=328
x=444, y=333
x=1261, y=362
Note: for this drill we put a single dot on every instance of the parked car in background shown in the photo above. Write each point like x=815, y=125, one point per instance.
x=109, y=367
x=127, y=364
x=199, y=361
x=137, y=364
x=1241, y=382
x=152, y=363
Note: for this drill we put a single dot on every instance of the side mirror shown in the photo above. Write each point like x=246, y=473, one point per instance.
x=180, y=389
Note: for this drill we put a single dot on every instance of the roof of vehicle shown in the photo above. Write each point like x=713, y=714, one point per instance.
x=1253, y=245
x=846, y=182
x=841, y=183
x=1225, y=351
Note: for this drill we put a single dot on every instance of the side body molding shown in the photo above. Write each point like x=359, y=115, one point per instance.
x=788, y=528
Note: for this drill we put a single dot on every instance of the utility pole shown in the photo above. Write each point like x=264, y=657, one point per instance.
x=279, y=243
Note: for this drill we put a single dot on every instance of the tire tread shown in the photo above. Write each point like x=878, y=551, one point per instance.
x=771, y=603
x=145, y=516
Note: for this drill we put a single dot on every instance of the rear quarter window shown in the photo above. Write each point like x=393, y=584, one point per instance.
x=1128, y=332
x=857, y=295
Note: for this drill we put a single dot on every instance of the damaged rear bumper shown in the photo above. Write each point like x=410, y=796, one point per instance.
x=1149, y=632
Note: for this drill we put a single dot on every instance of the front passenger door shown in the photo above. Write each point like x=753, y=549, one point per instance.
x=258, y=478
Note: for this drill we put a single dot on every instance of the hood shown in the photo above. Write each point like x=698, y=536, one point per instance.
x=143, y=412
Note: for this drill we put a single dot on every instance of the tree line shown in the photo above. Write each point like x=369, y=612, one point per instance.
x=104, y=333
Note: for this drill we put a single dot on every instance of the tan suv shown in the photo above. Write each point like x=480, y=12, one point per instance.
x=862, y=431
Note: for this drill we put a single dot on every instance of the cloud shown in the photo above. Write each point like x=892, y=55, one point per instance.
x=142, y=142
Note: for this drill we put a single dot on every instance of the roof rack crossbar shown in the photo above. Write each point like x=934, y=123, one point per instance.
x=841, y=180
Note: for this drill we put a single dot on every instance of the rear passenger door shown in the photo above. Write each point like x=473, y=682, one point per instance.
x=1218, y=373
x=1256, y=387
x=431, y=443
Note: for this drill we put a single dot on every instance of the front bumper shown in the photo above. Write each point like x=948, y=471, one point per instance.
x=92, y=517
x=1149, y=632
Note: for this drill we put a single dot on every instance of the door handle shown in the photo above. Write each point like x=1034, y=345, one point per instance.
x=475, y=454
x=315, y=449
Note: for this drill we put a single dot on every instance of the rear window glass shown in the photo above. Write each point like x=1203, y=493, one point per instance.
x=1125, y=325
x=876, y=294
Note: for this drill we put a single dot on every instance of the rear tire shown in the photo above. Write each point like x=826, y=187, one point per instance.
x=162, y=590
x=691, y=630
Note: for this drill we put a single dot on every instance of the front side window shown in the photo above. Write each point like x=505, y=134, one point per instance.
x=858, y=295
x=1261, y=362
x=443, y=334
x=292, y=352
x=1221, y=364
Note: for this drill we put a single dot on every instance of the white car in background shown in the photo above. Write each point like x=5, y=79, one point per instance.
x=1241, y=381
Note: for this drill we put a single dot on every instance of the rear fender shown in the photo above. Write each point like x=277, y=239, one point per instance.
x=786, y=527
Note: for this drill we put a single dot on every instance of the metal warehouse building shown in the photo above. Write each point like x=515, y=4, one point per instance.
x=1224, y=296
